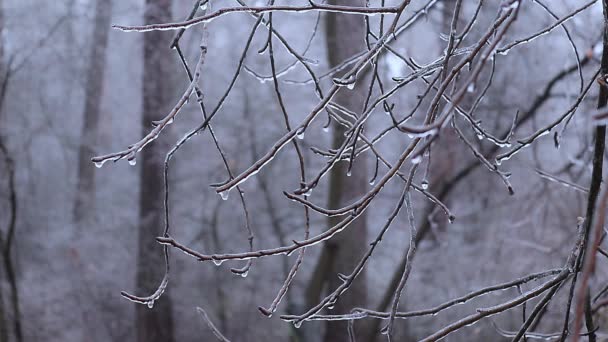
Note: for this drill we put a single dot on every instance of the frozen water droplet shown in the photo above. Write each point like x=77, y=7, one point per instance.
x=307, y=192
x=425, y=184
x=244, y=274
x=345, y=82
x=204, y=5
x=326, y=129
x=218, y=262
x=170, y=121
x=372, y=181
x=297, y=324
x=150, y=304
x=99, y=164
x=349, y=173
x=300, y=134
x=224, y=195
x=556, y=140
x=471, y=88
x=480, y=136
x=416, y=160
x=132, y=161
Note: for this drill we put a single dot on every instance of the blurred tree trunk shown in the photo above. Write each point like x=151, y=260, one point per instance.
x=7, y=236
x=3, y=318
x=85, y=191
x=155, y=324
x=345, y=36
x=7, y=240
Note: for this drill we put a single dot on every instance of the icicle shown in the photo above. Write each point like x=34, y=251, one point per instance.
x=425, y=184
x=224, y=195
x=345, y=82
x=307, y=192
x=471, y=88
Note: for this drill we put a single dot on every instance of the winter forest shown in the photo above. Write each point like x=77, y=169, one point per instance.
x=303, y=170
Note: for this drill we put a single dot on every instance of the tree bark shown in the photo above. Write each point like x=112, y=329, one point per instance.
x=85, y=191
x=154, y=324
x=345, y=36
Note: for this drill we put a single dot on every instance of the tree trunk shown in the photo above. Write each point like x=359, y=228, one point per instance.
x=7, y=240
x=85, y=191
x=3, y=315
x=154, y=324
x=7, y=237
x=3, y=320
x=345, y=36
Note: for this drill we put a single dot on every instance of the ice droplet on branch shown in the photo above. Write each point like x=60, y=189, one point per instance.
x=425, y=184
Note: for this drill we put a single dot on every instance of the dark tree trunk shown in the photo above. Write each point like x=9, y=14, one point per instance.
x=85, y=191
x=7, y=240
x=345, y=35
x=7, y=236
x=154, y=324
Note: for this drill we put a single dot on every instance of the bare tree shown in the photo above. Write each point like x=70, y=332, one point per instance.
x=345, y=37
x=155, y=318
x=351, y=97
